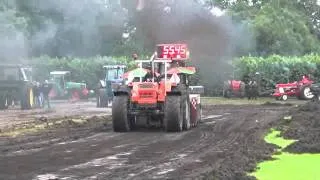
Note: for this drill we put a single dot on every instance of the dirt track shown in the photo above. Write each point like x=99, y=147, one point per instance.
x=226, y=145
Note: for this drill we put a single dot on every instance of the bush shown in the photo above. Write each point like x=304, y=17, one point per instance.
x=89, y=70
x=279, y=68
x=276, y=68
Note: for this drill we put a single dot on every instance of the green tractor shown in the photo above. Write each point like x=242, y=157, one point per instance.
x=113, y=79
x=16, y=86
x=64, y=88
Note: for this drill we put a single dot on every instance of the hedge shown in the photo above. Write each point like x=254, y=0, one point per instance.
x=89, y=70
x=279, y=68
x=276, y=68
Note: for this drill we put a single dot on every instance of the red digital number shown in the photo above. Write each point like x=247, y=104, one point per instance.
x=173, y=51
x=165, y=50
x=183, y=50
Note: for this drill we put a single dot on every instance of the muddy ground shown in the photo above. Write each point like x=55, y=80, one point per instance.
x=226, y=145
x=303, y=124
x=59, y=109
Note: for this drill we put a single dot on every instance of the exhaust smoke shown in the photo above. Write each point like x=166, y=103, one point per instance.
x=212, y=39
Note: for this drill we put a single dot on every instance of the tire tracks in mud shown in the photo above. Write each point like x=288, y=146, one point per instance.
x=155, y=154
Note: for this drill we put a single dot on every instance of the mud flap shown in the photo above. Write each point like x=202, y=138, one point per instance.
x=194, y=108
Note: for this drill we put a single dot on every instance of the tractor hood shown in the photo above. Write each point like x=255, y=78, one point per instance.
x=70, y=85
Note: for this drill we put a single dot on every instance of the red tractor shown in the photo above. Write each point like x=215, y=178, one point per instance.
x=300, y=89
x=159, y=95
x=234, y=88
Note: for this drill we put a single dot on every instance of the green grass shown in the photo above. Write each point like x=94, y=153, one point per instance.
x=234, y=101
x=290, y=167
x=287, y=166
x=274, y=138
x=245, y=101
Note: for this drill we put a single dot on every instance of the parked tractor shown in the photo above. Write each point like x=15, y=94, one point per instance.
x=315, y=90
x=16, y=86
x=64, y=88
x=113, y=79
x=233, y=88
x=159, y=96
x=299, y=89
x=241, y=88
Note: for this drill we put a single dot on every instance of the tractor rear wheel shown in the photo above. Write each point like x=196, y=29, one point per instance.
x=173, y=117
x=316, y=98
x=4, y=103
x=199, y=113
x=305, y=93
x=101, y=98
x=186, y=113
x=242, y=90
x=120, y=119
x=27, y=99
x=226, y=92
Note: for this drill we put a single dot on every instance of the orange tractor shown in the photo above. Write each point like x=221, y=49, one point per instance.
x=159, y=94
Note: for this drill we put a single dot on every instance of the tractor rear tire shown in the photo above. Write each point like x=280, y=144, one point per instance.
x=173, y=114
x=101, y=98
x=186, y=112
x=227, y=93
x=242, y=90
x=4, y=103
x=120, y=118
x=199, y=113
x=305, y=93
x=27, y=99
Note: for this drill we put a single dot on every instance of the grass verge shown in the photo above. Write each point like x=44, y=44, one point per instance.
x=287, y=166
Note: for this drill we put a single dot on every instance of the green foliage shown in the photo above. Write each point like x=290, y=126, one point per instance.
x=89, y=70
x=283, y=31
x=279, y=68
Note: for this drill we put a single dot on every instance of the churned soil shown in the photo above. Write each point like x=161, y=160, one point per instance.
x=304, y=126
x=14, y=117
x=226, y=145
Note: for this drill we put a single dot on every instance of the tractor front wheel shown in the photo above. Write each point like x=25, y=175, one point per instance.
x=173, y=117
x=120, y=119
x=284, y=97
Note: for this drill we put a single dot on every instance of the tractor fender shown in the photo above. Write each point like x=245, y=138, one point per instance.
x=122, y=91
x=179, y=90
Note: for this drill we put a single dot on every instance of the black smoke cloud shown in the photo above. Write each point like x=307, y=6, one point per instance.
x=60, y=28
x=213, y=40
x=78, y=27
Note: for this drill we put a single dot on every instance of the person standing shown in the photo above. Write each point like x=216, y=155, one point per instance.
x=46, y=87
x=37, y=94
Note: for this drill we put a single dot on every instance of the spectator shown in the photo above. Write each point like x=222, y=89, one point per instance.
x=45, y=89
x=39, y=94
x=36, y=91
